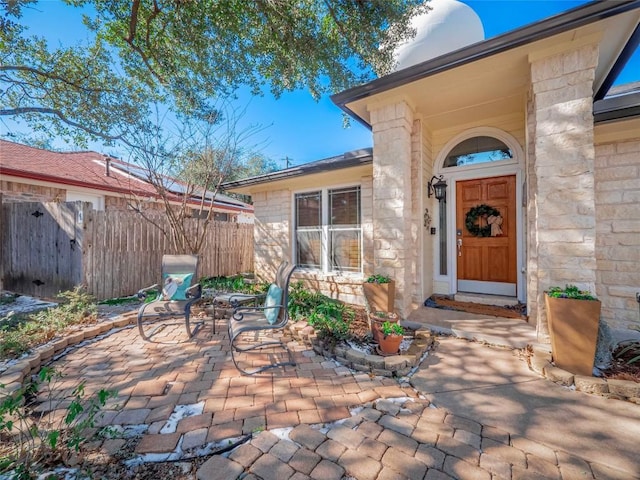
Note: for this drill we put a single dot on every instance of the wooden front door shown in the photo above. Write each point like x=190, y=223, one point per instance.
x=486, y=235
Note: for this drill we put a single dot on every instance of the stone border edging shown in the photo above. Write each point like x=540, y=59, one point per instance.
x=391, y=366
x=540, y=362
x=13, y=377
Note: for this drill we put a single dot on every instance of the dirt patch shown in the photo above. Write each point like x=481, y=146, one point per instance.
x=621, y=369
x=359, y=326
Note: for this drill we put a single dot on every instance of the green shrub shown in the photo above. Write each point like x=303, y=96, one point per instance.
x=32, y=439
x=570, y=291
x=120, y=301
x=21, y=332
x=236, y=283
x=377, y=278
x=391, y=329
x=303, y=302
x=628, y=352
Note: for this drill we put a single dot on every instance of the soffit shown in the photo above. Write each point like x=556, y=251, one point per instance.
x=497, y=84
x=309, y=181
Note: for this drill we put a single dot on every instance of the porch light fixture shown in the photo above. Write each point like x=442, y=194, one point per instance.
x=438, y=189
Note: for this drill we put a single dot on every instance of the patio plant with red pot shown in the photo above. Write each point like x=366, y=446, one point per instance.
x=377, y=319
x=391, y=338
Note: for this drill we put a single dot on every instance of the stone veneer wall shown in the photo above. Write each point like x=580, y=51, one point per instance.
x=273, y=237
x=393, y=223
x=618, y=231
x=561, y=188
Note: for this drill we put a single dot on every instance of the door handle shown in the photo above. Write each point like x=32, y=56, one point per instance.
x=459, y=243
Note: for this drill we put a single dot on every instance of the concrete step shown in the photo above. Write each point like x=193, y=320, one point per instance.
x=484, y=299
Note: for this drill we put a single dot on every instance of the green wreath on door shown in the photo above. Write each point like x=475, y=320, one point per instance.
x=477, y=212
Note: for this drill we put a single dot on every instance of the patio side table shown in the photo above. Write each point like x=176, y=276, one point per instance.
x=225, y=300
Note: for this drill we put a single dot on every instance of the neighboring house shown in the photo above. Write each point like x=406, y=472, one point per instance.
x=29, y=174
x=540, y=159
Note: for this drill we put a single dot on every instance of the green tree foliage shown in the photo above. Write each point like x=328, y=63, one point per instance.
x=187, y=53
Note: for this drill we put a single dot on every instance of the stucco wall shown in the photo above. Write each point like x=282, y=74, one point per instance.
x=617, y=175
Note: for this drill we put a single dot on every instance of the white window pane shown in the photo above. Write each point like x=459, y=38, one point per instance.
x=344, y=206
x=345, y=250
x=308, y=209
x=309, y=248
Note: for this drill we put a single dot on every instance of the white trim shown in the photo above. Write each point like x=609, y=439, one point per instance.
x=324, y=195
x=96, y=200
x=452, y=175
x=501, y=135
x=490, y=288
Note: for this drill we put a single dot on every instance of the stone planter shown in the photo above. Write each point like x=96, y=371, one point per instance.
x=380, y=296
x=376, y=320
x=573, y=327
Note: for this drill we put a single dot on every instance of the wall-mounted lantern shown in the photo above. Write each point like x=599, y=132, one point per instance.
x=438, y=189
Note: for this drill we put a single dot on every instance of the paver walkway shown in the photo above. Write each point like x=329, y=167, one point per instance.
x=386, y=439
x=493, y=386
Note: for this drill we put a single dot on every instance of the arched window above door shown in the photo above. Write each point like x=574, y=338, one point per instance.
x=478, y=149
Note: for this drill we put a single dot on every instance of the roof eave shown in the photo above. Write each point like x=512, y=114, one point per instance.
x=118, y=190
x=349, y=159
x=620, y=107
x=563, y=22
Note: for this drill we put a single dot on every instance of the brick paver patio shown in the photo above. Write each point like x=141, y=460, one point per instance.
x=382, y=430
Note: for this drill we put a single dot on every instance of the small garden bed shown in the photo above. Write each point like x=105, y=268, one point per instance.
x=626, y=362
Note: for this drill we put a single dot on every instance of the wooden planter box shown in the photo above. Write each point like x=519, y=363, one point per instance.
x=381, y=296
x=573, y=326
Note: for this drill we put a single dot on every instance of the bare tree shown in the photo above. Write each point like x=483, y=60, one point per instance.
x=186, y=168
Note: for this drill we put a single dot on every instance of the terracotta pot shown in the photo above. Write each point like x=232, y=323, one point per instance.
x=377, y=321
x=390, y=344
x=573, y=326
x=380, y=296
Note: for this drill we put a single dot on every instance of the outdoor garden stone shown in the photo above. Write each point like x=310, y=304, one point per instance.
x=559, y=375
x=624, y=388
x=598, y=386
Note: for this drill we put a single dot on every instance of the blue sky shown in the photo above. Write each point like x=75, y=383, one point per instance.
x=296, y=126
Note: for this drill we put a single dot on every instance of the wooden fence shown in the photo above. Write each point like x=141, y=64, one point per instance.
x=113, y=253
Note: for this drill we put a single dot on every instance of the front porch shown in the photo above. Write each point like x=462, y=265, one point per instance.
x=506, y=332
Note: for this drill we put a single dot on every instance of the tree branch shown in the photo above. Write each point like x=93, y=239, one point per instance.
x=51, y=76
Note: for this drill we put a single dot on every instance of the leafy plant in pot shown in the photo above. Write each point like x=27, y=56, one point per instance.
x=392, y=334
x=380, y=292
x=378, y=319
x=573, y=316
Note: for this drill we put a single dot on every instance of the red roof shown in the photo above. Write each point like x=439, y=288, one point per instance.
x=83, y=169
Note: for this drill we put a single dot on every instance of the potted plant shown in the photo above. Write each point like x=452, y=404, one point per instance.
x=574, y=317
x=377, y=319
x=380, y=292
x=391, y=338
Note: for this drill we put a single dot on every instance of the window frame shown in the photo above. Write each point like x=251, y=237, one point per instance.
x=326, y=229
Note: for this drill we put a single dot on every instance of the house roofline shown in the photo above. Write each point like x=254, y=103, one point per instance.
x=65, y=181
x=118, y=190
x=617, y=107
x=574, y=18
x=354, y=158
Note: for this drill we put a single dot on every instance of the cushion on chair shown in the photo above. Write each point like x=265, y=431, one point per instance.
x=175, y=285
x=274, y=297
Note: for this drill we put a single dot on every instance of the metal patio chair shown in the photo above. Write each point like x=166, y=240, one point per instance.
x=176, y=297
x=272, y=316
x=235, y=299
